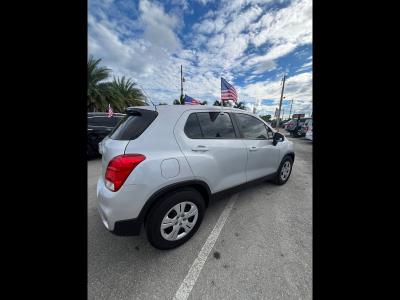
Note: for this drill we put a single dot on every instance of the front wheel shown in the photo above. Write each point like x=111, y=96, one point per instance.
x=284, y=171
x=175, y=219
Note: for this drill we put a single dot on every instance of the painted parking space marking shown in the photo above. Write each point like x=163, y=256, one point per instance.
x=190, y=280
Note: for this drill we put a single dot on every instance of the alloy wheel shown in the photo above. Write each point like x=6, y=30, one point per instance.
x=179, y=221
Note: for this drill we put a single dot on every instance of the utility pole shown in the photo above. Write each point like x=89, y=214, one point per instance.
x=280, y=102
x=181, y=85
x=290, y=113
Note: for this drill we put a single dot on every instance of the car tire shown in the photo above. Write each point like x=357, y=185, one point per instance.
x=283, y=173
x=165, y=210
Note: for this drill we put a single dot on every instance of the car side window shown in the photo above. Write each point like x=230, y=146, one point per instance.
x=192, y=127
x=216, y=125
x=95, y=121
x=252, y=128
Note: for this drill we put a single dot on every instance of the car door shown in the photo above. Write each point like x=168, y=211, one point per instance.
x=212, y=148
x=262, y=155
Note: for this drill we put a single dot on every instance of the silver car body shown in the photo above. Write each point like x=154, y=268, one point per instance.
x=172, y=157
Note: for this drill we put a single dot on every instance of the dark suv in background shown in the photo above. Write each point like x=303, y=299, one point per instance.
x=99, y=125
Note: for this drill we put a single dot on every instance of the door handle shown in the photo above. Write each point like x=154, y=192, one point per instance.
x=200, y=148
x=253, y=148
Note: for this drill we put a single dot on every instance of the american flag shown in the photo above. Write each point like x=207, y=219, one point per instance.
x=191, y=101
x=110, y=111
x=228, y=92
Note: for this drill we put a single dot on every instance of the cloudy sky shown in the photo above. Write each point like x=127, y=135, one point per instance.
x=251, y=43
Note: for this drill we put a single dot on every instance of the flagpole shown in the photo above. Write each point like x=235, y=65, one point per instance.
x=182, y=86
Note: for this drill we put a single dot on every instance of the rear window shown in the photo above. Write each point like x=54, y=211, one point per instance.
x=133, y=124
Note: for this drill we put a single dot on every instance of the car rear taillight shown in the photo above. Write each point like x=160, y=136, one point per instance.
x=119, y=169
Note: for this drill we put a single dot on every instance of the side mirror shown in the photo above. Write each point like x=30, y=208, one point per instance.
x=278, y=137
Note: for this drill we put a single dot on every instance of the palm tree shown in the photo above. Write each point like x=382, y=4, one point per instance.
x=240, y=105
x=123, y=93
x=225, y=103
x=95, y=92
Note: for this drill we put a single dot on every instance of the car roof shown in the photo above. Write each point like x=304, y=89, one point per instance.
x=183, y=108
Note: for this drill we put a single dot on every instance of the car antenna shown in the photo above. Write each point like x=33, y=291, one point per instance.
x=147, y=96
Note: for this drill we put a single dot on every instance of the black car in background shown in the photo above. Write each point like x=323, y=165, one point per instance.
x=99, y=125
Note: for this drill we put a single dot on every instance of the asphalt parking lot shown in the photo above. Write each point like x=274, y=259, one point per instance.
x=263, y=251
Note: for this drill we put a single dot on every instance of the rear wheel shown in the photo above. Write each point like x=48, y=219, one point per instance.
x=284, y=171
x=175, y=219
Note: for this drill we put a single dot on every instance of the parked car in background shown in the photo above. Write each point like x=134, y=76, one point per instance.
x=98, y=127
x=281, y=123
x=161, y=168
x=309, y=133
x=304, y=127
x=288, y=124
x=295, y=127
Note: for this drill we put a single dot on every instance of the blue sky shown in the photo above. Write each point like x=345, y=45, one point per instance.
x=251, y=43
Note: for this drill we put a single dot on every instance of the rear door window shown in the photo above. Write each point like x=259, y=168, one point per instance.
x=216, y=125
x=192, y=127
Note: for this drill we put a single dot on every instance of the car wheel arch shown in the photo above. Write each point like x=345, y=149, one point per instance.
x=197, y=185
x=291, y=154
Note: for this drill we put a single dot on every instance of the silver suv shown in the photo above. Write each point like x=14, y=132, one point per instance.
x=162, y=166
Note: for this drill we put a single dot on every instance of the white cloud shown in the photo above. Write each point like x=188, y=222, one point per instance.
x=298, y=87
x=204, y=2
x=158, y=26
x=292, y=24
x=152, y=54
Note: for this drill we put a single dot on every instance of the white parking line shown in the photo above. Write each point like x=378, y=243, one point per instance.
x=194, y=271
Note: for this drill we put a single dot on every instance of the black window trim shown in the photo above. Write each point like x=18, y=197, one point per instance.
x=235, y=129
x=252, y=139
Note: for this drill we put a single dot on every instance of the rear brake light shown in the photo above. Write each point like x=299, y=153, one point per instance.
x=119, y=169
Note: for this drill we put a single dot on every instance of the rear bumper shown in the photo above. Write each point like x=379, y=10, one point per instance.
x=127, y=227
x=119, y=210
